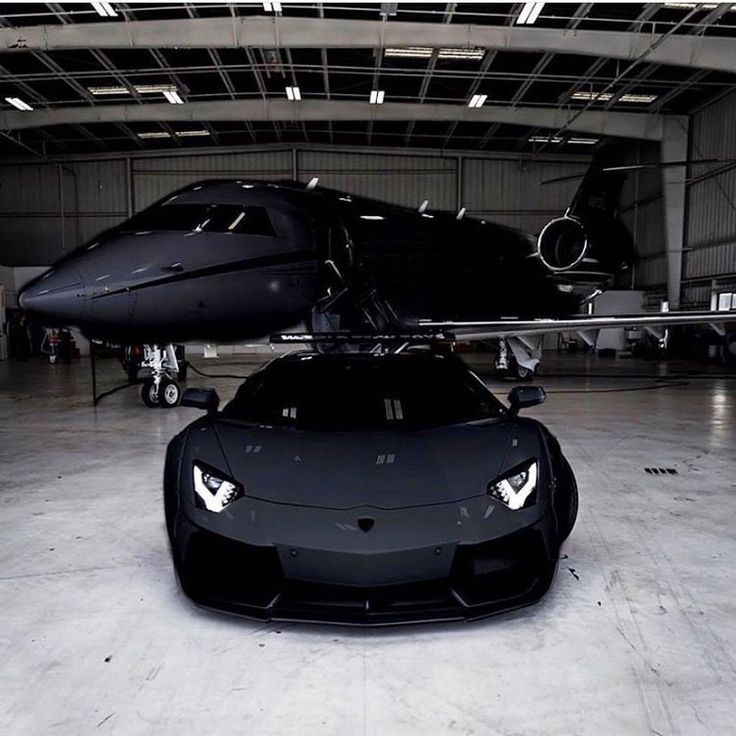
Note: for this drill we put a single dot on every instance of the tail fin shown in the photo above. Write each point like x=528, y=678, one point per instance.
x=600, y=190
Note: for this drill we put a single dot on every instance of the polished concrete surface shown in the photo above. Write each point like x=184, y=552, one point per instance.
x=637, y=635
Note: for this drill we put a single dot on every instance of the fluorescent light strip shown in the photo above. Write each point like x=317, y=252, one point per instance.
x=477, y=100
x=18, y=103
x=108, y=90
x=544, y=139
x=529, y=13
x=173, y=97
x=424, y=52
x=293, y=93
x=637, y=98
x=156, y=134
x=377, y=96
x=190, y=133
x=474, y=54
x=272, y=7
x=104, y=9
x=598, y=96
x=583, y=141
x=418, y=52
x=150, y=89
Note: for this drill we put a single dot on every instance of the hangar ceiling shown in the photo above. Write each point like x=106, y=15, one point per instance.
x=457, y=75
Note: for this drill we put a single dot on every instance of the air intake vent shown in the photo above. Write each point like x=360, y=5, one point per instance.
x=661, y=471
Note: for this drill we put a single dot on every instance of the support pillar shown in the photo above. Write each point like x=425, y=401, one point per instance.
x=674, y=147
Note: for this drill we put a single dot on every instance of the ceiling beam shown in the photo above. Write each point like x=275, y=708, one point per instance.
x=622, y=124
x=701, y=52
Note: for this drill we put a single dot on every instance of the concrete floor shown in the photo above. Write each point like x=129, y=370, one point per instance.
x=636, y=636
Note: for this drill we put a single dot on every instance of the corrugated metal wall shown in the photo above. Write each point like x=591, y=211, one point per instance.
x=711, y=224
x=513, y=194
x=154, y=178
x=36, y=227
x=405, y=180
x=47, y=210
x=642, y=211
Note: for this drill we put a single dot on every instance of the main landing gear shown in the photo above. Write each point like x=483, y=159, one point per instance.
x=162, y=388
x=516, y=360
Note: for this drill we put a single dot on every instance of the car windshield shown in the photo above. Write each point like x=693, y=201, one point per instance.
x=332, y=394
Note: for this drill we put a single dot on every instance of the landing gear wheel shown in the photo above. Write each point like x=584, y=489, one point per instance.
x=149, y=393
x=523, y=374
x=515, y=372
x=52, y=359
x=169, y=393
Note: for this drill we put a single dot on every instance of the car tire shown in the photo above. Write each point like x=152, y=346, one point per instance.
x=169, y=393
x=149, y=394
x=569, y=514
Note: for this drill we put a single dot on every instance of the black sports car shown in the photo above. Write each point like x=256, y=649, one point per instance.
x=364, y=489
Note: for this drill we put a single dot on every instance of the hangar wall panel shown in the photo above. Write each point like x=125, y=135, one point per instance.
x=711, y=222
x=46, y=210
x=513, y=194
x=154, y=178
x=405, y=180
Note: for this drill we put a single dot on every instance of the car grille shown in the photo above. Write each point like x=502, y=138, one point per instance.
x=249, y=580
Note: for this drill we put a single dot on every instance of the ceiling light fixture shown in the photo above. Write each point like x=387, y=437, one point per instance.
x=99, y=91
x=190, y=133
x=529, y=14
x=104, y=9
x=416, y=52
x=150, y=89
x=477, y=100
x=377, y=96
x=18, y=103
x=583, y=141
x=173, y=97
x=597, y=96
x=272, y=7
x=474, y=54
x=293, y=93
x=154, y=134
x=544, y=139
x=637, y=98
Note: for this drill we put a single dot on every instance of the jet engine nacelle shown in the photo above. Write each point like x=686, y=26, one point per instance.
x=588, y=249
x=563, y=243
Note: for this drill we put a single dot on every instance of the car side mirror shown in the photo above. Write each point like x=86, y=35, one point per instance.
x=201, y=398
x=522, y=397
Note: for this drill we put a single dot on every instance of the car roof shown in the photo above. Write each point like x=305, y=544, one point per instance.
x=347, y=358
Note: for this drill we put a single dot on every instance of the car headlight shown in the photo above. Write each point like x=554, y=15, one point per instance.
x=517, y=489
x=213, y=492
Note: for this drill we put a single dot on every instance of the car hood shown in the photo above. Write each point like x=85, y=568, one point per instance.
x=355, y=469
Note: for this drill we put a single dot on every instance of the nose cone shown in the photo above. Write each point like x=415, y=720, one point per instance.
x=56, y=297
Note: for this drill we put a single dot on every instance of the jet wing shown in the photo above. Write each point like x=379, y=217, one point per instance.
x=654, y=323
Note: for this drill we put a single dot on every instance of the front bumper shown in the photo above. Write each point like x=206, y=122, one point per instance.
x=249, y=580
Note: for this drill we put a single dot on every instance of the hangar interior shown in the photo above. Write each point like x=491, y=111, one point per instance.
x=109, y=107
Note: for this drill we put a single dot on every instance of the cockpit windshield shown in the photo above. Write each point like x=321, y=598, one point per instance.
x=218, y=218
x=335, y=394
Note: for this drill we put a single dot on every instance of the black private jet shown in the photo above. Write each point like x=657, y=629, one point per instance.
x=222, y=261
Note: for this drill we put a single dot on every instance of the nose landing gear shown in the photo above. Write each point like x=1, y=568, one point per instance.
x=161, y=389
